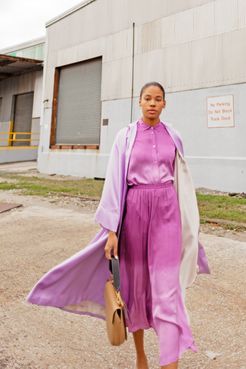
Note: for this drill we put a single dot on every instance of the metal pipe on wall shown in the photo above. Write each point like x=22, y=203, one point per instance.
x=133, y=60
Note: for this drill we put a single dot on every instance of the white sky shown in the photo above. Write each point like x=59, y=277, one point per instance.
x=24, y=20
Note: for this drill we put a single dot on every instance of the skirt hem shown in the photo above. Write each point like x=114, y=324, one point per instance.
x=192, y=346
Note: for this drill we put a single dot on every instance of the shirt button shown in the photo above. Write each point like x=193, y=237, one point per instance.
x=153, y=145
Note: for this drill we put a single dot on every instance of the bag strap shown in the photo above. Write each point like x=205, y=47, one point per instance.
x=114, y=268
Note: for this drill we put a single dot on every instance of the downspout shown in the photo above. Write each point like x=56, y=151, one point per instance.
x=133, y=60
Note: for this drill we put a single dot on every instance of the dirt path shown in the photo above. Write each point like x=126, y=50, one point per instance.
x=43, y=233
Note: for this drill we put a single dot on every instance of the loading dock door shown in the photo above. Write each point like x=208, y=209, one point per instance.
x=79, y=103
x=1, y=103
x=23, y=117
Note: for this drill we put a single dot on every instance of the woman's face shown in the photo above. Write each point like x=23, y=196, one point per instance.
x=152, y=102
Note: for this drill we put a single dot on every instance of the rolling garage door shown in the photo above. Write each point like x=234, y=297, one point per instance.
x=23, y=117
x=79, y=103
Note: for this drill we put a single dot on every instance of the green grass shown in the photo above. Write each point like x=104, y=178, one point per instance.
x=222, y=207
x=45, y=187
x=211, y=207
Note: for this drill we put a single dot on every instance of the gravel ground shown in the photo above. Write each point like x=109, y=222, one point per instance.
x=44, y=232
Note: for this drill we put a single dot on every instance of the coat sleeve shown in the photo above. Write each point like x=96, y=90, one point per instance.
x=108, y=211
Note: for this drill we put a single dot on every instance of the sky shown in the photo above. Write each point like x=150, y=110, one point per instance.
x=24, y=20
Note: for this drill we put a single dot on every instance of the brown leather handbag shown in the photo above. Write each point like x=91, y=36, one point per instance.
x=114, y=307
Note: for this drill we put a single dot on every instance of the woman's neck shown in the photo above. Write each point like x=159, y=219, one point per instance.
x=151, y=122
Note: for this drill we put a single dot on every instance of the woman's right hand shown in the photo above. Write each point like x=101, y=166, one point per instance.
x=112, y=244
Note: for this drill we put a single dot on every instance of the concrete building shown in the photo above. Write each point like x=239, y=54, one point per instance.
x=21, y=77
x=101, y=52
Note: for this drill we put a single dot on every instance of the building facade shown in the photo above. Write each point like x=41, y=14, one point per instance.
x=21, y=78
x=101, y=52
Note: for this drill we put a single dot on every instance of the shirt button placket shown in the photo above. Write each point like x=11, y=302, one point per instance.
x=154, y=146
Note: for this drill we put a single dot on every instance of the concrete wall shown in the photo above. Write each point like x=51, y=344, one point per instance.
x=194, y=48
x=15, y=155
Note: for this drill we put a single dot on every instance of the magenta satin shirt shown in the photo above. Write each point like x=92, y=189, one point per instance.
x=152, y=156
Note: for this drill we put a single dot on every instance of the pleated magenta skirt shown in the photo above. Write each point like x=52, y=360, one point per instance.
x=150, y=254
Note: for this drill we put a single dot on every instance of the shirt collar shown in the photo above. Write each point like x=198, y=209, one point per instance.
x=144, y=126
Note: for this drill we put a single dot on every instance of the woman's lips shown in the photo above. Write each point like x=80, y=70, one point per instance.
x=151, y=111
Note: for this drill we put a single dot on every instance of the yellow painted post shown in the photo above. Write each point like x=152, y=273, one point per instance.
x=11, y=127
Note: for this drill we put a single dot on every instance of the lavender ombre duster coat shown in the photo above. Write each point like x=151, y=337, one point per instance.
x=76, y=285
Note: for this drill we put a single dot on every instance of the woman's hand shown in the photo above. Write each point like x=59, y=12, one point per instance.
x=112, y=244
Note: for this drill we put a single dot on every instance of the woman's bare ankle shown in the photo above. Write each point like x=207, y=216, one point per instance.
x=142, y=361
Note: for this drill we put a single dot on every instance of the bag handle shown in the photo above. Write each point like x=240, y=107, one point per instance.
x=114, y=268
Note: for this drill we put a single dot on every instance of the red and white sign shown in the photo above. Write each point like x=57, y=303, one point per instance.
x=220, y=111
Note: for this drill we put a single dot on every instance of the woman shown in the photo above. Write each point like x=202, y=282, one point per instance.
x=148, y=202
x=150, y=240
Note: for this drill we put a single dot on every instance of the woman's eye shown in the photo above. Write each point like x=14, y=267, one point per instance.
x=148, y=99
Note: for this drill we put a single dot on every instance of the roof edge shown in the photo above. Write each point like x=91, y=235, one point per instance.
x=68, y=12
x=23, y=45
x=20, y=58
